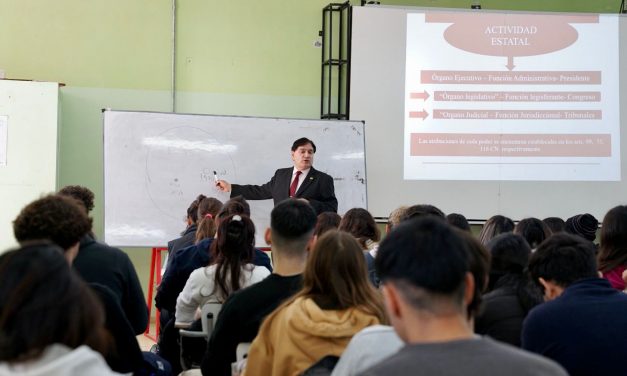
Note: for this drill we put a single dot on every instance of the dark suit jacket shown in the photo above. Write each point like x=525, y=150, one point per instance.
x=317, y=188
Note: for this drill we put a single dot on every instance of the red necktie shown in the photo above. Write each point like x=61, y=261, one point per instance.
x=294, y=184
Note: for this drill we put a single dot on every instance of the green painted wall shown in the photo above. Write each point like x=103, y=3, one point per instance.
x=233, y=57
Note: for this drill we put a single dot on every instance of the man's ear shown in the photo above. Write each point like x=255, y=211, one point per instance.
x=469, y=289
x=311, y=243
x=267, y=236
x=71, y=253
x=391, y=299
x=551, y=289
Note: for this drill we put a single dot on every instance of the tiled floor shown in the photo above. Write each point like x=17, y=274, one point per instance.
x=146, y=343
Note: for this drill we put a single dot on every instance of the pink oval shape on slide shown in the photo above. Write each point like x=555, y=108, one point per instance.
x=517, y=35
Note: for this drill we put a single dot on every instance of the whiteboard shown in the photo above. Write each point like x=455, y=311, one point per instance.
x=156, y=164
x=28, y=148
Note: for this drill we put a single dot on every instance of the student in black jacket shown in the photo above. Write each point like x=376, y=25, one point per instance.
x=291, y=231
x=108, y=266
x=511, y=294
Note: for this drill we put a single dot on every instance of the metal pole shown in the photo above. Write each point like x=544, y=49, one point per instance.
x=173, y=56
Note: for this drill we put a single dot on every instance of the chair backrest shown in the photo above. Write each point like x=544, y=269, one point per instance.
x=242, y=350
x=208, y=317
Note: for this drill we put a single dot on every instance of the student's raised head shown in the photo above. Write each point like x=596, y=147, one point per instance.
x=60, y=219
x=208, y=210
x=495, y=225
x=83, y=194
x=556, y=224
x=395, y=217
x=236, y=205
x=421, y=210
x=560, y=261
x=583, y=225
x=423, y=265
x=613, y=248
x=459, y=221
x=292, y=224
x=233, y=247
x=43, y=302
x=360, y=223
x=326, y=221
x=533, y=230
x=335, y=276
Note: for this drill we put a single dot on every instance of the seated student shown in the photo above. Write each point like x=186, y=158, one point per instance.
x=556, y=224
x=326, y=221
x=613, y=248
x=50, y=321
x=336, y=302
x=98, y=263
x=421, y=210
x=511, y=294
x=533, y=230
x=290, y=235
x=424, y=268
x=193, y=254
x=64, y=221
x=394, y=219
x=186, y=260
x=495, y=225
x=188, y=236
x=360, y=223
x=375, y=343
x=459, y=221
x=231, y=268
x=582, y=326
x=583, y=225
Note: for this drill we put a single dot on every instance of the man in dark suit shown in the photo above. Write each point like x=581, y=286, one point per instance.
x=301, y=181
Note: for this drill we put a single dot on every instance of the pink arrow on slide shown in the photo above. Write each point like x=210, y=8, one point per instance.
x=424, y=95
x=418, y=114
x=510, y=63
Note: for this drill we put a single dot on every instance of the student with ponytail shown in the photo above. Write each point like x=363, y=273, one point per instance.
x=232, y=269
x=188, y=259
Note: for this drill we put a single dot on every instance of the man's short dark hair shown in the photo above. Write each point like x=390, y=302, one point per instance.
x=60, y=219
x=422, y=210
x=292, y=223
x=302, y=142
x=426, y=254
x=563, y=259
x=83, y=194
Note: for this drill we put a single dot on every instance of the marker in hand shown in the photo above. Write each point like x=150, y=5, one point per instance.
x=221, y=184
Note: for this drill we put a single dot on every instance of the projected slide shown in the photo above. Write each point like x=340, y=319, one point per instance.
x=511, y=97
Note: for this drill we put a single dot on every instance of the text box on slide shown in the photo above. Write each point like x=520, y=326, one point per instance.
x=522, y=96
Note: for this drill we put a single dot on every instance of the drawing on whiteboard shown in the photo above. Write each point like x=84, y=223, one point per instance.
x=173, y=176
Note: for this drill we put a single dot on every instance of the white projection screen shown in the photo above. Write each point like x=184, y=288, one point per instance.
x=485, y=113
